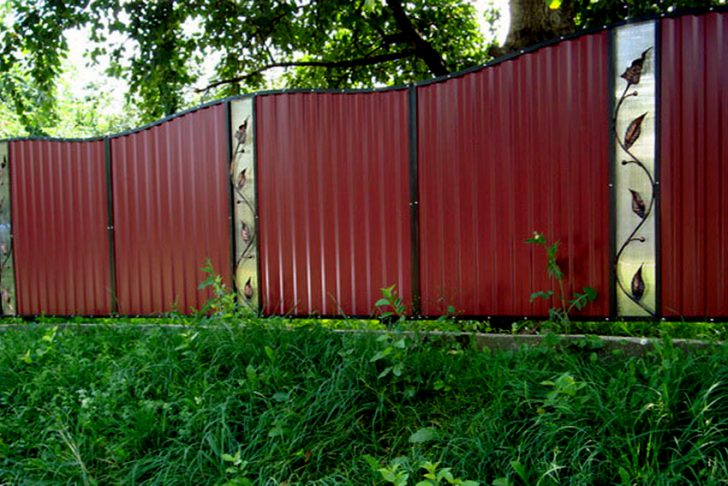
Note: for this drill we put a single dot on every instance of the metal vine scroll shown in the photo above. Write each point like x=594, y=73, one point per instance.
x=7, y=278
x=642, y=202
x=246, y=216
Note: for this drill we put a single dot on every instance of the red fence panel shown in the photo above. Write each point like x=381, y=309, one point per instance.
x=513, y=148
x=519, y=147
x=61, y=242
x=694, y=165
x=171, y=211
x=333, y=201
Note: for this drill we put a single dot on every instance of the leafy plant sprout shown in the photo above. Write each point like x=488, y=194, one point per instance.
x=393, y=303
x=560, y=314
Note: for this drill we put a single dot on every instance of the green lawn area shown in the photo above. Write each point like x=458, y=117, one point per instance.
x=262, y=403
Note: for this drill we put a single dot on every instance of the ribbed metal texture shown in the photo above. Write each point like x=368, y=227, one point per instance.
x=59, y=222
x=333, y=201
x=694, y=165
x=515, y=148
x=171, y=212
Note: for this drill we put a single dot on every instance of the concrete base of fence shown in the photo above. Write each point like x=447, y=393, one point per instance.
x=633, y=346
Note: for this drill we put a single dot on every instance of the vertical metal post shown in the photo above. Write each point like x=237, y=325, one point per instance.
x=256, y=175
x=231, y=198
x=612, y=177
x=414, y=202
x=658, y=152
x=110, y=225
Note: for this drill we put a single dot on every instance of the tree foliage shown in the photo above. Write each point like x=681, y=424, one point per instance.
x=161, y=47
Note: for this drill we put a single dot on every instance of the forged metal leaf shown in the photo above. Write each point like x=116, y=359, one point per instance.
x=638, y=204
x=638, y=285
x=248, y=289
x=245, y=233
x=633, y=131
x=240, y=182
x=242, y=134
x=633, y=73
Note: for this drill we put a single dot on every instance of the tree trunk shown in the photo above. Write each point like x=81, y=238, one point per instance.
x=532, y=21
x=423, y=49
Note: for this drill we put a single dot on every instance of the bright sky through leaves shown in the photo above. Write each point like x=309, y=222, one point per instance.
x=80, y=74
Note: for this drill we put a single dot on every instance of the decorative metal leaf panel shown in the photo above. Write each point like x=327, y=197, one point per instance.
x=242, y=178
x=7, y=272
x=635, y=184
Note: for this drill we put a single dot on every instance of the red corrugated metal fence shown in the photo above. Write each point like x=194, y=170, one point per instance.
x=171, y=211
x=518, y=147
x=694, y=165
x=501, y=152
x=60, y=235
x=333, y=201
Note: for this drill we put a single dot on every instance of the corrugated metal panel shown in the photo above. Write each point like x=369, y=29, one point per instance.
x=518, y=147
x=333, y=201
x=60, y=237
x=694, y=165
x=171, y=212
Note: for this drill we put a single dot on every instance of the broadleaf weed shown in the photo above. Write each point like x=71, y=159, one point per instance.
x=559, y=315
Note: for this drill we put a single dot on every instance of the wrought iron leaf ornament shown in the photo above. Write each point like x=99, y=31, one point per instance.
x=627, y=130
x=242, y=177
x=7, y=306
x=633, y=73
x=248, y=289
x=633, y=131
x=241, y=135
x=638, y=204
x=638, y=284
x=7, y=300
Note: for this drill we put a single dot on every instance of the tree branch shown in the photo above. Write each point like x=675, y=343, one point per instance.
x=423, y=49
x=363, y=61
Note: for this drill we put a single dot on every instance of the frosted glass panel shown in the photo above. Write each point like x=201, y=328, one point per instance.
x=7, y=272
x=634, y=134
x=242, y=173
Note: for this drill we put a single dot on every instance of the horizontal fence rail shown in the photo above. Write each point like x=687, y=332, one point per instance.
x=613, y=143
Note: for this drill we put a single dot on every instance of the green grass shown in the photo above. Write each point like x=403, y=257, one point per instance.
x=674, y=329
x=125, y=405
